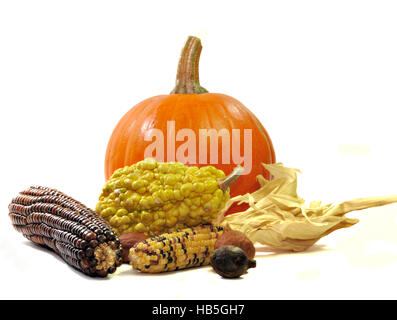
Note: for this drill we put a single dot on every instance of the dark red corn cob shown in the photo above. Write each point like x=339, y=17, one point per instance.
x=81, y=237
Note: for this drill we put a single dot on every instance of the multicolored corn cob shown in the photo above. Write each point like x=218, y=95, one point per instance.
x=76, y=233
x=190, y=247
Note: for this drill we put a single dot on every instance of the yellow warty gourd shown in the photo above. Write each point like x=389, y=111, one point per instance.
x=154, y=197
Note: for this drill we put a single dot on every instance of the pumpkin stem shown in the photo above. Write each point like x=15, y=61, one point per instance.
x=187, y=77
x=225, y=182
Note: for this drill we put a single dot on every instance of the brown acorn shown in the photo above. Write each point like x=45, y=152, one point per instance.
x=128, y=240
x=237, y=239
x=231, y=262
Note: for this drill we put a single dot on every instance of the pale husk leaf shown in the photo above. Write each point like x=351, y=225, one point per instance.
x=279, y=218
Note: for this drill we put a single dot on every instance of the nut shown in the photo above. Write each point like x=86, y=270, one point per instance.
x=231, y=262
x=237, y=239
x=128, y=240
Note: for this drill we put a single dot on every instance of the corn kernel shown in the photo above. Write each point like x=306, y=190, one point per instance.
x=193, y=214
x=125, y=220
x=161, y=194
x=215, y=202
x=137, y=184
x=219, y=194
x=147, y=164
x=108, y=211
x=196, y=201
x=161, y=214
x=169, y=194
x=168, y=206
x=174, y=212
x=220, y=174
x=163, y=168
x=121, y=212
x=178, y=185
x=198, y=187
x=146, y=217
x=115, y=221
x=148, y=176
x=183, y=209
x=141, y=190
x=170, y=179
x=183, y=215
x=211, y=186
x=171, y=222
x=140, y=227
x=144, y=203
x=186, y=189
x=157, y=197
x=178, y=195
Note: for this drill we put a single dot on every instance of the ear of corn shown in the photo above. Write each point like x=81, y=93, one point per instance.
x=190, y=247
x=76, y=233
x=153, y=198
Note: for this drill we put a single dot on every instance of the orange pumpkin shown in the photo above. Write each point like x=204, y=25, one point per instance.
x=195, y=127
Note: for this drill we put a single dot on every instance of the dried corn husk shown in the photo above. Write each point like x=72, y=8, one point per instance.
x=279, y=218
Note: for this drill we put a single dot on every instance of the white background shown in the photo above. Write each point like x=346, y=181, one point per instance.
x=320, y=75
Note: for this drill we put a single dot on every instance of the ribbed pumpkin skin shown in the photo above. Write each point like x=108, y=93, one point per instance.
x=193, y=111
